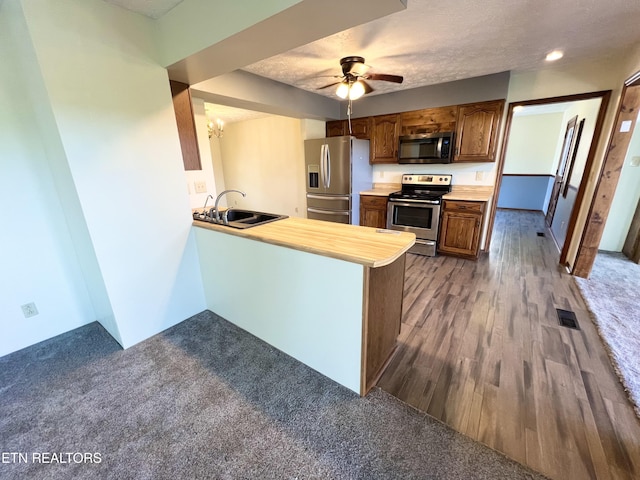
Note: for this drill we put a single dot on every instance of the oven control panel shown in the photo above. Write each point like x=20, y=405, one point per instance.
x=426, y=179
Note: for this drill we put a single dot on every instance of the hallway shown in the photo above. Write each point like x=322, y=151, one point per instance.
x=481, y=349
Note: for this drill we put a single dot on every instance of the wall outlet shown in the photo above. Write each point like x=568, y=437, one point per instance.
x=201, y=187
x=635, y=161
x=29, y=310
x=479, y=176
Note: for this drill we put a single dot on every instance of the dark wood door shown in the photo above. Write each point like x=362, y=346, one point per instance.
x=561, y=177
x=553, y=201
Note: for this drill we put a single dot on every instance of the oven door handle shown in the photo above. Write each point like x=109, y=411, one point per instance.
x=411, y=203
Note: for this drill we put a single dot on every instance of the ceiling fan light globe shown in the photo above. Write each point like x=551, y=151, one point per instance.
x=356, y=90
x=343, y=90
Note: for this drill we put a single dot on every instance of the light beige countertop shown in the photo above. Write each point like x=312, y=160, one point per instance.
x=367, y=246
x=382, y=189
x=470, y=193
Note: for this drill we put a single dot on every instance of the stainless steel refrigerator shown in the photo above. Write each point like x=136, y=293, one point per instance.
x=337, y=169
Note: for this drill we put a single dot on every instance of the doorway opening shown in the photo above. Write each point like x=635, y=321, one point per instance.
x=556, y=184
x=617, y=149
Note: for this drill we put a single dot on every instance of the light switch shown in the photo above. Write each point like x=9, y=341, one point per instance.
x=635, y=161
x=201, y=187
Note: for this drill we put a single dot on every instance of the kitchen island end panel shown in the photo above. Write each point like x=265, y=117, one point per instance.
x=308, y=306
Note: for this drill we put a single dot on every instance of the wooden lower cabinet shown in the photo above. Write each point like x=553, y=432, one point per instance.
x=373, y=211
x=461, y=228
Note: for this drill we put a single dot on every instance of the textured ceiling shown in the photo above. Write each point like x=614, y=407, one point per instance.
x=435, y=41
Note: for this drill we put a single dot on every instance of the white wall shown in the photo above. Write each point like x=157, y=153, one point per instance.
x=113, y=111
x=481, y=174
x=625, y=200
x=264, y=158
x=37, y=254
x=534, y=144
x=587, y=109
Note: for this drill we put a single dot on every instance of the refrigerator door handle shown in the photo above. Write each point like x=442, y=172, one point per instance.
x=322, y=179
x=327, y=197
x=326, y=212
x=328, y=168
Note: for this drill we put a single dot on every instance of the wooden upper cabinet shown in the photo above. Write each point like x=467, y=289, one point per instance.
x=360, y=128
x=428, y=120
x=384, y=138
x=335, y=128
x=477, y=131
x=183, y=109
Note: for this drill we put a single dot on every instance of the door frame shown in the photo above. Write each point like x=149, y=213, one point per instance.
x=605, y=96
x=616, y=152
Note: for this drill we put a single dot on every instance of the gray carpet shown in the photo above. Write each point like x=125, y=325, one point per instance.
x=612, y=293
x=207, y=400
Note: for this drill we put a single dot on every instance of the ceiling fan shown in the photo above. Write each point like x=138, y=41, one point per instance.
x=353, y=84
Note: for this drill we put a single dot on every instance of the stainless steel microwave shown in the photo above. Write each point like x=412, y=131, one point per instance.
x=426, y=148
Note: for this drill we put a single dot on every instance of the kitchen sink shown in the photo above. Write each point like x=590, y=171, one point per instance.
x=240, y=218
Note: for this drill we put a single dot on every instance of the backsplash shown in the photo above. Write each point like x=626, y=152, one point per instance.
x=463, y=174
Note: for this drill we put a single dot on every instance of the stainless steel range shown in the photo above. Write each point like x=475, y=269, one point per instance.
x=416, y=209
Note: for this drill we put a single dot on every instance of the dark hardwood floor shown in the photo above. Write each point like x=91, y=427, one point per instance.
x=481, y=349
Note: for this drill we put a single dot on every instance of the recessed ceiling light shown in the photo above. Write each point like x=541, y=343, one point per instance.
x=555, y=55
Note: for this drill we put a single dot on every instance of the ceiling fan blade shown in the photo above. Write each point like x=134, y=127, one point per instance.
x=384, y=77
x=327, y=86
x=367, y=88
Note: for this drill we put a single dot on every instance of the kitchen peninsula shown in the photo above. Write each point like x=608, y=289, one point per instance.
x=328, y=294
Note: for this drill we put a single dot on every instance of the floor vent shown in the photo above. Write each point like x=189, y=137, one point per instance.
x=567, y=319
x=540, y=234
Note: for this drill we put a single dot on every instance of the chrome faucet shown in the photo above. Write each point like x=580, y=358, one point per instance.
x=204, y=212
x=215, y=208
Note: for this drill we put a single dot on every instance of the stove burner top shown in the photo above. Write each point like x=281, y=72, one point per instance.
x=417, y=195
x=419, y=187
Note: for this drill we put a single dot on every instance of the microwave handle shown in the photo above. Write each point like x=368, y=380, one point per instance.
x=439, y=148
